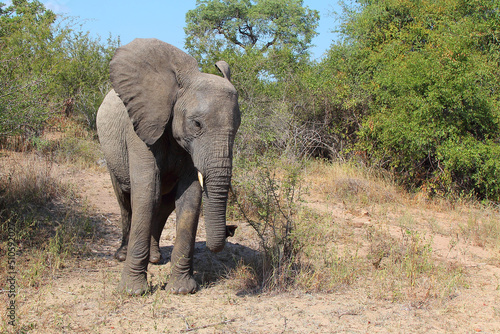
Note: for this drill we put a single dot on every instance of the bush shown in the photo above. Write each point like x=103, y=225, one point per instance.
x=432, y=76
x=472, y=167
x=268, y=198
x=82, y=80
x=27, y=45
x=47, y=69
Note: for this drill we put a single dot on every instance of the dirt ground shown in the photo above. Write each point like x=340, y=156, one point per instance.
x=82, y=298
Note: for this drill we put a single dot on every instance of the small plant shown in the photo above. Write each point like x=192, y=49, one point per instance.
x=270, y=204
x=405, y=270
x=243, y=277
x=481, y=231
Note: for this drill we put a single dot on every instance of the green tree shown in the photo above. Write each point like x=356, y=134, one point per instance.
x=431, y=69
x=243, y=25
x=83, y=74
x=26, y=51
x=47, y=67
x=329, y=102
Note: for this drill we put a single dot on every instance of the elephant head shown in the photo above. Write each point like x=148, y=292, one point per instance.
x=162, y=89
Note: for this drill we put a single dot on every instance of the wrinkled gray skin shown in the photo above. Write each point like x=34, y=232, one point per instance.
x=164, y=122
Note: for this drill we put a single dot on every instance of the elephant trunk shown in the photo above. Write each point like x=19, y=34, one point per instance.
x=215, y=193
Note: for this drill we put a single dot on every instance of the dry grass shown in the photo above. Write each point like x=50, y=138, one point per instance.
x=482, y=229
x=64, y=141
x=404, y=268
x=352, y=184
x=305, y=248
x=243, y=277
x=50, y=221
x=324, y=254
x=68, y=142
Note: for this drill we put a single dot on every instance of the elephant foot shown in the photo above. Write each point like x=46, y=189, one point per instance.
x=121, y=254
x=182, y=285
x=134, y=286
x=155, y=254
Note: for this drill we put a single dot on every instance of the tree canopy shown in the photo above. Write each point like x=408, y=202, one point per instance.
x=432, y=71
x=243, y=25
x=45, y=67
x=25, y=37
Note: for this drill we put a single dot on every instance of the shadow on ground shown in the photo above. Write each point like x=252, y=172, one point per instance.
x=210, y=268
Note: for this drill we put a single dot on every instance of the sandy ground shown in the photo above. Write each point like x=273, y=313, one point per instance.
x=83, y=299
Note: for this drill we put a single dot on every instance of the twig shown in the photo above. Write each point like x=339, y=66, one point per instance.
x=284, y=326
x=347, y=313
x=68, y=292
x=187, y=324
x=225, y=322
x=109, y=221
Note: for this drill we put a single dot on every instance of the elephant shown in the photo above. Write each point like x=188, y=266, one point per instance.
x=167, y=132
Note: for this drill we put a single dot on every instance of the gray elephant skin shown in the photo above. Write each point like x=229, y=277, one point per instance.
x=167, y=132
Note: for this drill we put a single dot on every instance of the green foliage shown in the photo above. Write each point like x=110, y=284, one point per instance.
x=431, y=71
x=329, y=103
x=240, y=25
x=26, y=44
x=471, y=166
x=83, y=75
x=47, y=67
x=412, y=88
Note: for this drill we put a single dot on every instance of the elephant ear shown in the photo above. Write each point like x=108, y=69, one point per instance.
x=224, y=69
x=147, y=74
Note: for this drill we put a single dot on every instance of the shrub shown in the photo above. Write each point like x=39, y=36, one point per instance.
x=268, y=199
x=472, y=167
x=403, y=268
x=431, y=77
x=47, y=68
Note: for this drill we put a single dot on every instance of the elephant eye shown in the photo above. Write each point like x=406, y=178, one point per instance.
x=197, y=124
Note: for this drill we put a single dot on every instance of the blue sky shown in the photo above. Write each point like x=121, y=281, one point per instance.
x=165, y=19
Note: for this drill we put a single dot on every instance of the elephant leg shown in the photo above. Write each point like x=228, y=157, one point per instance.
x=187, y=206
x=146, y=200
x=126, y=217
x=167, y=206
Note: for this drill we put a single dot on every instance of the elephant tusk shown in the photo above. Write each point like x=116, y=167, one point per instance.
x=200, y=178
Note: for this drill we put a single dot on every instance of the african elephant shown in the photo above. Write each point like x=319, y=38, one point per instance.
x=167, y=132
